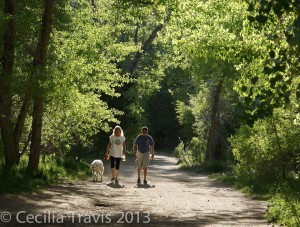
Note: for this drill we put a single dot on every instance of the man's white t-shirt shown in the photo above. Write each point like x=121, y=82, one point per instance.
x=116, y=149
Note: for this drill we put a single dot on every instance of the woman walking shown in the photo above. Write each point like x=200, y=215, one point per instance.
x=116, y=148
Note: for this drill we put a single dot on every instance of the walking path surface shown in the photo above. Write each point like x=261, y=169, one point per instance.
x=171, y=197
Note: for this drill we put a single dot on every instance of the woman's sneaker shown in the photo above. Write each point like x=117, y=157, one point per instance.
x=113, y=179
x=139, y=181
x=145, y=181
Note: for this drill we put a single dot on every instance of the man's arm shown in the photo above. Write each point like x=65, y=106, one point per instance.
x=152, y=151
x=134, y=148
x=135, y=145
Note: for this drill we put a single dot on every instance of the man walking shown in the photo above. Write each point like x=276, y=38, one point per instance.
x=143, y=145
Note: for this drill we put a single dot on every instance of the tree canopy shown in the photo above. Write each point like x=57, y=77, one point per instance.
x=216, y=80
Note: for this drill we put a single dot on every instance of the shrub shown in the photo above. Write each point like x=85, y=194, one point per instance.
x=70, y=163
x=192, y=153
x=18, y=179
x=284, y=210
x=265, y=153
x=267, y=156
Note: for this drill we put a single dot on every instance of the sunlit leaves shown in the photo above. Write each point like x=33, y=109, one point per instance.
x=276, y=78
x=83, y=67
x=76, y=121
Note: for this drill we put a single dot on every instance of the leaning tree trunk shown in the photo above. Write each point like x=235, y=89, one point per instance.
x=39, y=64
x=131, y=68
x=145, y=48
x=8, y=59
x=211, y=150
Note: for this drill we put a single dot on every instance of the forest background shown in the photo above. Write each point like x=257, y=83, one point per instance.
x=216, y=81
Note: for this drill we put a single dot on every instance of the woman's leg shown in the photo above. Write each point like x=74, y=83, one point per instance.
x=118, y=160
x=112, y=165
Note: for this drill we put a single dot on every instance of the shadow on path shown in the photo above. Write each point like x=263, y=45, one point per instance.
x=173, y=197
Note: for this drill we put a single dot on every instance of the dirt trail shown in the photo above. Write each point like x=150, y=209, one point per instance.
x=172, y=197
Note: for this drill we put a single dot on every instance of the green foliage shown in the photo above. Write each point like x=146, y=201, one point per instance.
x=209, y=45
x=132, y=26
x=191, y=156
x=284, y=209
x=191, y=153
x=186, y=120
x=267, y=153
x=83, y=70
x=76, y=123
x=272, y=72
x=178, y=82
x=18, y=179
x=255, y=53
x=214, y=33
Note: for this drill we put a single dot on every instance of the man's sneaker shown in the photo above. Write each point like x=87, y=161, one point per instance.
x=139, y=181
x=145, y=182
x=116, y=180
x=113, y=179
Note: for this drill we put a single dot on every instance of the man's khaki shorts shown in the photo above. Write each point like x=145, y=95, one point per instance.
x=143, y=159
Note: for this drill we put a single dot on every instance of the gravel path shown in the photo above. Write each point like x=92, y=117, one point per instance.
x=171, y=197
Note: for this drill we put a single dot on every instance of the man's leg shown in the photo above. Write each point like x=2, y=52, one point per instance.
x=139, y=170
x=146, y=160
x=139, y=166
x=145, y=165
x=145, y=173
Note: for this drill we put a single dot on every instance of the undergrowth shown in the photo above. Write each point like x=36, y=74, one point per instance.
x=18, y=179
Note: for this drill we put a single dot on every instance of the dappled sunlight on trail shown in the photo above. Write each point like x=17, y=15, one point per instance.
x=171, y=197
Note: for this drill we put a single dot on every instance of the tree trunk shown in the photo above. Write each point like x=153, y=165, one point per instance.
x=8, y=59
x=11, y=134
x=36, y=138
x=211, y=150
x=146, y=46
x=39, y=64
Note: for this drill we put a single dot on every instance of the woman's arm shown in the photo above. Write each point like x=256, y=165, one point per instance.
x=108, y=147
x=124, y=148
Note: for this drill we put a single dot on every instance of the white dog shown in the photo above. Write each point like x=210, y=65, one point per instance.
x=97, y=169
